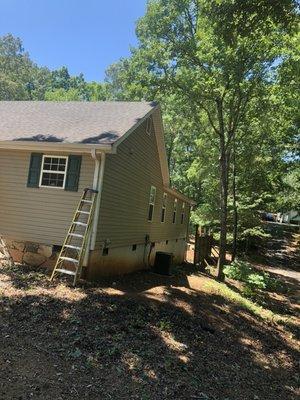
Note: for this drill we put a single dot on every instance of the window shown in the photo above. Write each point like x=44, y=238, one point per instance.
x=134, y=247
x=53, y=172
x=182, y=213
x=174, y=210
x=163, y=208
x=151, y=203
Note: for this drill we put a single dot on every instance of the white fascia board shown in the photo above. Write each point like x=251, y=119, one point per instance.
x=55, y=147
x=179, y=195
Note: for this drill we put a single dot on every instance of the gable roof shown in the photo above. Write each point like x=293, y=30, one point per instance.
x=98, y=123
x=79, y=126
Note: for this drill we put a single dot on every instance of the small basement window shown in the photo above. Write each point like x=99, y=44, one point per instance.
x=105, y=251
x=53, y=172
x=163, y=208
x=56, y=248
x=151, y=203
x=174, y=211
x=134, y=247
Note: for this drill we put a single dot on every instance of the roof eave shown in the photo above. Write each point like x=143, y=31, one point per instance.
x=180, y=196
x=55, y=146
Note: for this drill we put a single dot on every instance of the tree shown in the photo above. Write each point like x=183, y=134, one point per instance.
x=15, y=69
x=63, y=95
x=97, y=91
x=217, y=55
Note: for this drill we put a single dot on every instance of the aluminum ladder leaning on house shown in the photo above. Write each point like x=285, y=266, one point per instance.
x=77, y=240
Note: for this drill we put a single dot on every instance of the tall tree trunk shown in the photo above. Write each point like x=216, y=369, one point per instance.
x=235, y=210
x=223, y=209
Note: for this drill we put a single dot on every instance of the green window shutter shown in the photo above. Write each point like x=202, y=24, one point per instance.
x=73, y=173
x=34, y=170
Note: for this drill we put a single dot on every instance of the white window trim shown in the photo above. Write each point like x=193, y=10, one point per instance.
x=182, y=217
x=59, y=172
x=175, y=206
x=151, y=203
x=165, y=196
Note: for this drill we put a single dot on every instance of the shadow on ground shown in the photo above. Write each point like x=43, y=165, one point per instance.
x=138, y=337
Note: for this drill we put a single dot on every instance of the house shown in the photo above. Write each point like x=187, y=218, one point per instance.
x=51, y=151
x=289, y=217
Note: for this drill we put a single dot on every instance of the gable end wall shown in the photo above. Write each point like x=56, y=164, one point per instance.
x=128, y=177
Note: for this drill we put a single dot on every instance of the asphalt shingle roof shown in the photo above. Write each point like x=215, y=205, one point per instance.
x=69, y=122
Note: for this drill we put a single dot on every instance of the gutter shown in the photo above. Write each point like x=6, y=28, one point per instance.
x=55, y=146
x=179, y=196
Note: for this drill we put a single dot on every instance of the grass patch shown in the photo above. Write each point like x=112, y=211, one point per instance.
x=221, y=289
x=243, y=271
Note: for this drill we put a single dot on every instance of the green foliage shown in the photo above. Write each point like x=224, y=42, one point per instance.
x=216, y=68
x=164, y=325
x=255, y=232
x=243, y=271
x=22, y=79
x=63, y=95
x=226, y=73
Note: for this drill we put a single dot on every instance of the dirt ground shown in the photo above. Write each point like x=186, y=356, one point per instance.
x=145, y=336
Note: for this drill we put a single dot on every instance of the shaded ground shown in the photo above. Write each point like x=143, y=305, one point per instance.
x=149, y=337
x=281, y=253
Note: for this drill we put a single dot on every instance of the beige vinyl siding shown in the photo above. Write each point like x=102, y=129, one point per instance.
x=40, y=215
x=128, y=177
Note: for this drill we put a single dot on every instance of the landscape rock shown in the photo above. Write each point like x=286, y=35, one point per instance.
x=34, y=259
x=31, y=247
x=16, y=255
x=45, y=250
x=14, y=244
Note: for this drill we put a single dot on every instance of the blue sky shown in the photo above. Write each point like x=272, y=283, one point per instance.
x=85, y=35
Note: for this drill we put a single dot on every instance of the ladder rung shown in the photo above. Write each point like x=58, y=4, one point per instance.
x=83, y=212
x=69, y=259
x=80, y=223
x=87, y=201
x=70, y=246
x=76, y=235
x=65, y=271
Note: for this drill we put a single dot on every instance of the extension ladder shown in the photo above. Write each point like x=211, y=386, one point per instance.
x=74, y=248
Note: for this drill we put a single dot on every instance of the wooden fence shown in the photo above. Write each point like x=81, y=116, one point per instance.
x=206, y=253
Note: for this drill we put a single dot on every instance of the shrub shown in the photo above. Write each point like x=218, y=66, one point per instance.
x=242, y=271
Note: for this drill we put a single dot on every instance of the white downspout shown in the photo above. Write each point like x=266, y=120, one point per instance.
x=98, y=202
x=97, y=185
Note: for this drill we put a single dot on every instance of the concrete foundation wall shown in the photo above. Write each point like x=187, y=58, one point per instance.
x=118, y=261
x=124, y=260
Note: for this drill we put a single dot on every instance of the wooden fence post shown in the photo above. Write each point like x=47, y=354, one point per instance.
x=196, y=245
